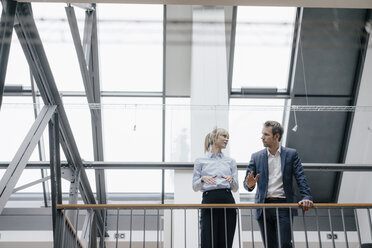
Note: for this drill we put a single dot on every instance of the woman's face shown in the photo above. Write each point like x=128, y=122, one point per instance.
x=221, y=140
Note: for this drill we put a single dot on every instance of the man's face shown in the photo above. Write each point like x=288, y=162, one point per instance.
x=268, y=139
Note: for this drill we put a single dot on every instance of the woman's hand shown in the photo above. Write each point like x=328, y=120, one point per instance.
x=229, y=179
x=209, y=179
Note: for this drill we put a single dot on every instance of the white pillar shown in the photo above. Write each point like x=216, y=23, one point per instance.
x=209, y=88
x=356, y=186
x=209, y=100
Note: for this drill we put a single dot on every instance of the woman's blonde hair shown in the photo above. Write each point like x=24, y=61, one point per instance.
x=209, y=139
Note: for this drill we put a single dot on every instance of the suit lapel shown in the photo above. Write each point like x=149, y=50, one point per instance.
x=282, y=158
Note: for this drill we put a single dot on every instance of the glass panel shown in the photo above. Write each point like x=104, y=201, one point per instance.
x=17, y=72
x=132, y=129
x=177, y=136
x=55, y=34
x=263, y=46
x=177, y=139
x=131, y=43
x=16, y=119
x=133, y=181
x=247, y=117
x=92, y=179
x=29, y=176
x=79, y=117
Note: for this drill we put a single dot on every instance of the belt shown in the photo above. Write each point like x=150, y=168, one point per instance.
x=275, y=199
x=216, y=190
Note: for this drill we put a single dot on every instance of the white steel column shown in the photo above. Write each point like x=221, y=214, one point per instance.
x=209, y=90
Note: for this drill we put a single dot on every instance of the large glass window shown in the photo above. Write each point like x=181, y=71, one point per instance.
x=132, y=129
x=131, y=47
x=133, y=181
x=177, y=130
x=52, y=24
x=17, y=63
x=16, y=119
x=263, y=46
x=247, y=117
x=79, y=117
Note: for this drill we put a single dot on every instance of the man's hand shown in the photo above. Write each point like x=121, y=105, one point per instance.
x=209, y=179
x=251, y=180
x=228, y=178
x=306, y=204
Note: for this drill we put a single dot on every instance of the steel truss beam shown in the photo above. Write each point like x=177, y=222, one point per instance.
x=6, y=32
x=87, y=56
x=32, y=46
x=96, y=127
x=87, y=53
x=55, y=174
x=19, y=162
x=41, y=180
x=232, y=50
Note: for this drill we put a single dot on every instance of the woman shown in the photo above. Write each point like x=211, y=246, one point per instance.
x=216, y=175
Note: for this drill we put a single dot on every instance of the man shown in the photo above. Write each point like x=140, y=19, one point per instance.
x=273, y=169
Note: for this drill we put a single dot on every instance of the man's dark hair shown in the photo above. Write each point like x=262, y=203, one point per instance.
x=276, y=127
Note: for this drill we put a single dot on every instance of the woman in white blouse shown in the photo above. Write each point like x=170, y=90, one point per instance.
x=216, y=175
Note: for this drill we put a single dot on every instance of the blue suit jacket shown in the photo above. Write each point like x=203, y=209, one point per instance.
x=291, y=168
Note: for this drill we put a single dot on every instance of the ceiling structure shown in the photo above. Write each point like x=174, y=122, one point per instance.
x=357, y=4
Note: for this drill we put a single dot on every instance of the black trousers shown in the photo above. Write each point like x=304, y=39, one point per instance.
x=272, y=226
x=218, y=223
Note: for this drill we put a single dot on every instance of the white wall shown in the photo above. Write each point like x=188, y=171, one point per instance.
x=356, y=187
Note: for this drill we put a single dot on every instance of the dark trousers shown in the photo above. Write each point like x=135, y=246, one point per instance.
x=221, y=223
x=272, y=227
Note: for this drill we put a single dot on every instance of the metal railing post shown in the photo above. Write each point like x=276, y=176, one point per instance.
x=305, y=229
x=131, y=227
x=157, y=228
x=357, y=226
x=212, y=238
x=331, y=227
x=144, y=228
x=265, y=226
x=278, y=225
x=239, y=227
x=185, y=227
x=117, y=229
x=252, y=228
x=343, y=224
x=77, y=227
x=317, y=227
x=370, y=222
x=225, y=220
x=291, y=225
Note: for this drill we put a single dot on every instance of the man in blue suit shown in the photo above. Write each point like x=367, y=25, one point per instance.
x=273, y=170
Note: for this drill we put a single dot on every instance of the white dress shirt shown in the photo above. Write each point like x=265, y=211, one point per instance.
x=275, y=184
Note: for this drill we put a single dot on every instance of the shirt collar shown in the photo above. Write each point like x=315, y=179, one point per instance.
x=278, y=151
x=212, y=155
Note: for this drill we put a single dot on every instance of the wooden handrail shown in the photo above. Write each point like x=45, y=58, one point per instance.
x=178, y=206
